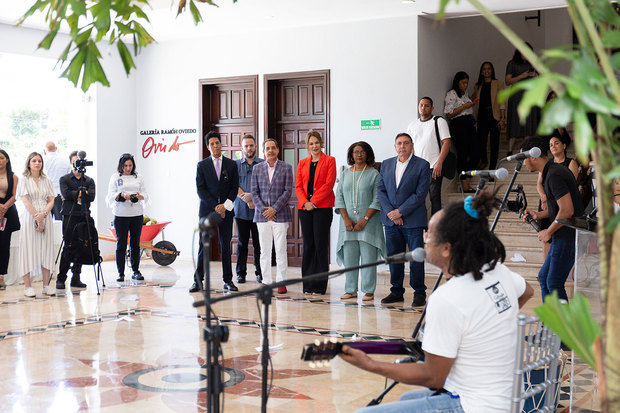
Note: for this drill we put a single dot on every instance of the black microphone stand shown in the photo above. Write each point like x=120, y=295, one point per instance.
x=481, y=183
x=215, y=335
x=508, y=190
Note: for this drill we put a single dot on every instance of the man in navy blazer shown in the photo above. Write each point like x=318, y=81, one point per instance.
x=272, y=187
x=217, y=183
x=402, y=188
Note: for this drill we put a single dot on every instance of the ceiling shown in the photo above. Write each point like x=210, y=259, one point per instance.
x=257, y=15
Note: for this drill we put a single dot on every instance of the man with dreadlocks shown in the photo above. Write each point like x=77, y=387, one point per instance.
x=471, y=326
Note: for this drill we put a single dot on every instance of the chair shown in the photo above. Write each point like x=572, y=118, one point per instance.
x=538, y=365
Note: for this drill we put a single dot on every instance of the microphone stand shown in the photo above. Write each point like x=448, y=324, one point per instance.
x=215, y=335
x=508, y=190
x=416, y=331
x=481, y=183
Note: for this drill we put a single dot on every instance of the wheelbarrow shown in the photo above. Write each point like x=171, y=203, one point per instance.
x=163, y=253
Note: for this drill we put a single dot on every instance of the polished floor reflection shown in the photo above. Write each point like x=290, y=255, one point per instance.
x=138, y=347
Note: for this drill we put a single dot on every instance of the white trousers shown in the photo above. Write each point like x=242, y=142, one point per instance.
x=275, y=232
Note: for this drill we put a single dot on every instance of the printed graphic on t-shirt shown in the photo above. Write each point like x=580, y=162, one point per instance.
x=119, y=182
x=499, y=297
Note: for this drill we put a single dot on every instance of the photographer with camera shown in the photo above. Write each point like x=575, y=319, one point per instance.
x=127, y=197
x=78, y=191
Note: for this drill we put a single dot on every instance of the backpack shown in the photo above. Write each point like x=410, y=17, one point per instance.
x=81, y=244
x=448, y=168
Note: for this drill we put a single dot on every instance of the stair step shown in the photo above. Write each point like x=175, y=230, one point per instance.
x=515, y=240
x=532, y=255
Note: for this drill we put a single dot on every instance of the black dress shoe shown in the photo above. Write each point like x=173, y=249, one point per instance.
x=418, y=300
x=137, y=276
x=77, y=284
x=230, y=286
x=392, y=299
x=195, y=288
x=121, y=278
x=60, y=285
x=241, y=279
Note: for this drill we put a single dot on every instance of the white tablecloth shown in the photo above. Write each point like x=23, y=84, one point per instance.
x=12, y=277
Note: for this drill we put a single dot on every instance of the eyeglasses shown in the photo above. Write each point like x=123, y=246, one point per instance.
x=359, y=152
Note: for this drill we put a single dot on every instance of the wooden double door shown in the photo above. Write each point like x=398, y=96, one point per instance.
x=294, y=103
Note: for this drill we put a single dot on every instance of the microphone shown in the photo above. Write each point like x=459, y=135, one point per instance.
x=499, y=174
x=533, y=153
x=210, y=221
x=417, y=255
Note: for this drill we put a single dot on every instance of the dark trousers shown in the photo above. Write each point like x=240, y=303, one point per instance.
x=224, y=235
x=69, y=222
x=57, y=208
x=5, y=251
x=557, y=266
x=488, y=129
x=434, y=193
x=463, y=136
x=246, y=227
x=315, y=227
x=124, y=226
x=397, y=239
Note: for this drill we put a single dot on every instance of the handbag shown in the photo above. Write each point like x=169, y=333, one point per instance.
x=448, y=168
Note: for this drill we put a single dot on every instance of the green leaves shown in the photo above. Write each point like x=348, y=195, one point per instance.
x=573, y=323
x=93, y=21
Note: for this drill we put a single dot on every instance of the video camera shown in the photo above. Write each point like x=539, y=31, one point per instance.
x=80, y=164
x=519, y=205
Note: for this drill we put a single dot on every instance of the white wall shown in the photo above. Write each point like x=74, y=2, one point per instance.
x=373, y=75
x=464, y=43
x=112, y=117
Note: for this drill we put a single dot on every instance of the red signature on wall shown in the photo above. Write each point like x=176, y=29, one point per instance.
x=150, y=147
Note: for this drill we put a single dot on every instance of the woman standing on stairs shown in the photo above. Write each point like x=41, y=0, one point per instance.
x=458, y=109
x=490, y=114
x=519, y=69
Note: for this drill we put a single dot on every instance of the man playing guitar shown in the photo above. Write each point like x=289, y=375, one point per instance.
x=471, y=326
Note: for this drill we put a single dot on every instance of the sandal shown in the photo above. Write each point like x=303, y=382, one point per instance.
x=348, y=296
x=2, y=287
x=368, y=297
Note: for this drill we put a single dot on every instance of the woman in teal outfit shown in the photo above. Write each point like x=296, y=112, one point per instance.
x=360, y=239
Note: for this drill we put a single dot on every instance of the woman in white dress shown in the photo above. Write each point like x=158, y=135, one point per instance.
x=36, y=239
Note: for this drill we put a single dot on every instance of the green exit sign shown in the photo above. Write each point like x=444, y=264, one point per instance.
x=371, y=124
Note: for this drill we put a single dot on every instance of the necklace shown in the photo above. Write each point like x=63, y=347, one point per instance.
x=356, y=189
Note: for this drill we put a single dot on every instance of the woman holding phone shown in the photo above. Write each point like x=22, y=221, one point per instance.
x=458, y=109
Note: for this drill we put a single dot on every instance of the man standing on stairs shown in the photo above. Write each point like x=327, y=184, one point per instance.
x=422, y=131
x=563, y=202
x=402, y=189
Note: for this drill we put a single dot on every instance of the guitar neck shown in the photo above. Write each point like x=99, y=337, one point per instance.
x=375, y=347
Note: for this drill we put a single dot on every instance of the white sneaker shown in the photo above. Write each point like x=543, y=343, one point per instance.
x=49, y=290
x=29, y=292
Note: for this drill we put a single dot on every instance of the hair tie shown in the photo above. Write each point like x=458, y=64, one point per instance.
x=471, y=211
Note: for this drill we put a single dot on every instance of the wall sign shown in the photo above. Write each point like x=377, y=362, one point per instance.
x=371, y=124
x=152, y=147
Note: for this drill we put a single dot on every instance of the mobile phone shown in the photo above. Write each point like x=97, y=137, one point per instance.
x=475, y=100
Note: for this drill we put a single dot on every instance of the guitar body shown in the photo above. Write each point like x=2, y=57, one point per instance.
x=329, y=349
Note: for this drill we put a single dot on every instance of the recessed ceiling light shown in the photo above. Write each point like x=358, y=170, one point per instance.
x=407, y=1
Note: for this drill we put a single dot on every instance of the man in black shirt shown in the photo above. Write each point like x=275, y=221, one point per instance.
x=563, y=202
x=78, y=191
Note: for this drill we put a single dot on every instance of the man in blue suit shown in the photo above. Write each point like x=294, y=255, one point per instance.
x=217, y=183
x=402, y=188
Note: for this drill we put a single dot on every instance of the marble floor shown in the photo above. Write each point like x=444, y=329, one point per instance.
x=139, y=347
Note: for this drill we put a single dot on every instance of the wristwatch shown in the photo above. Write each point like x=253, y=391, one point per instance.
x=366, y=218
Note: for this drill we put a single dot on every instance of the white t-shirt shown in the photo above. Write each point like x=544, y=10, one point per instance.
x=424, y=140
x=56, y=167
x=131, y=184
x=475, y=322
x=400, y=169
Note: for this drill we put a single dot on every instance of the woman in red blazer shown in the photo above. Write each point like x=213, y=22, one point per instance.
x=314, y=187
